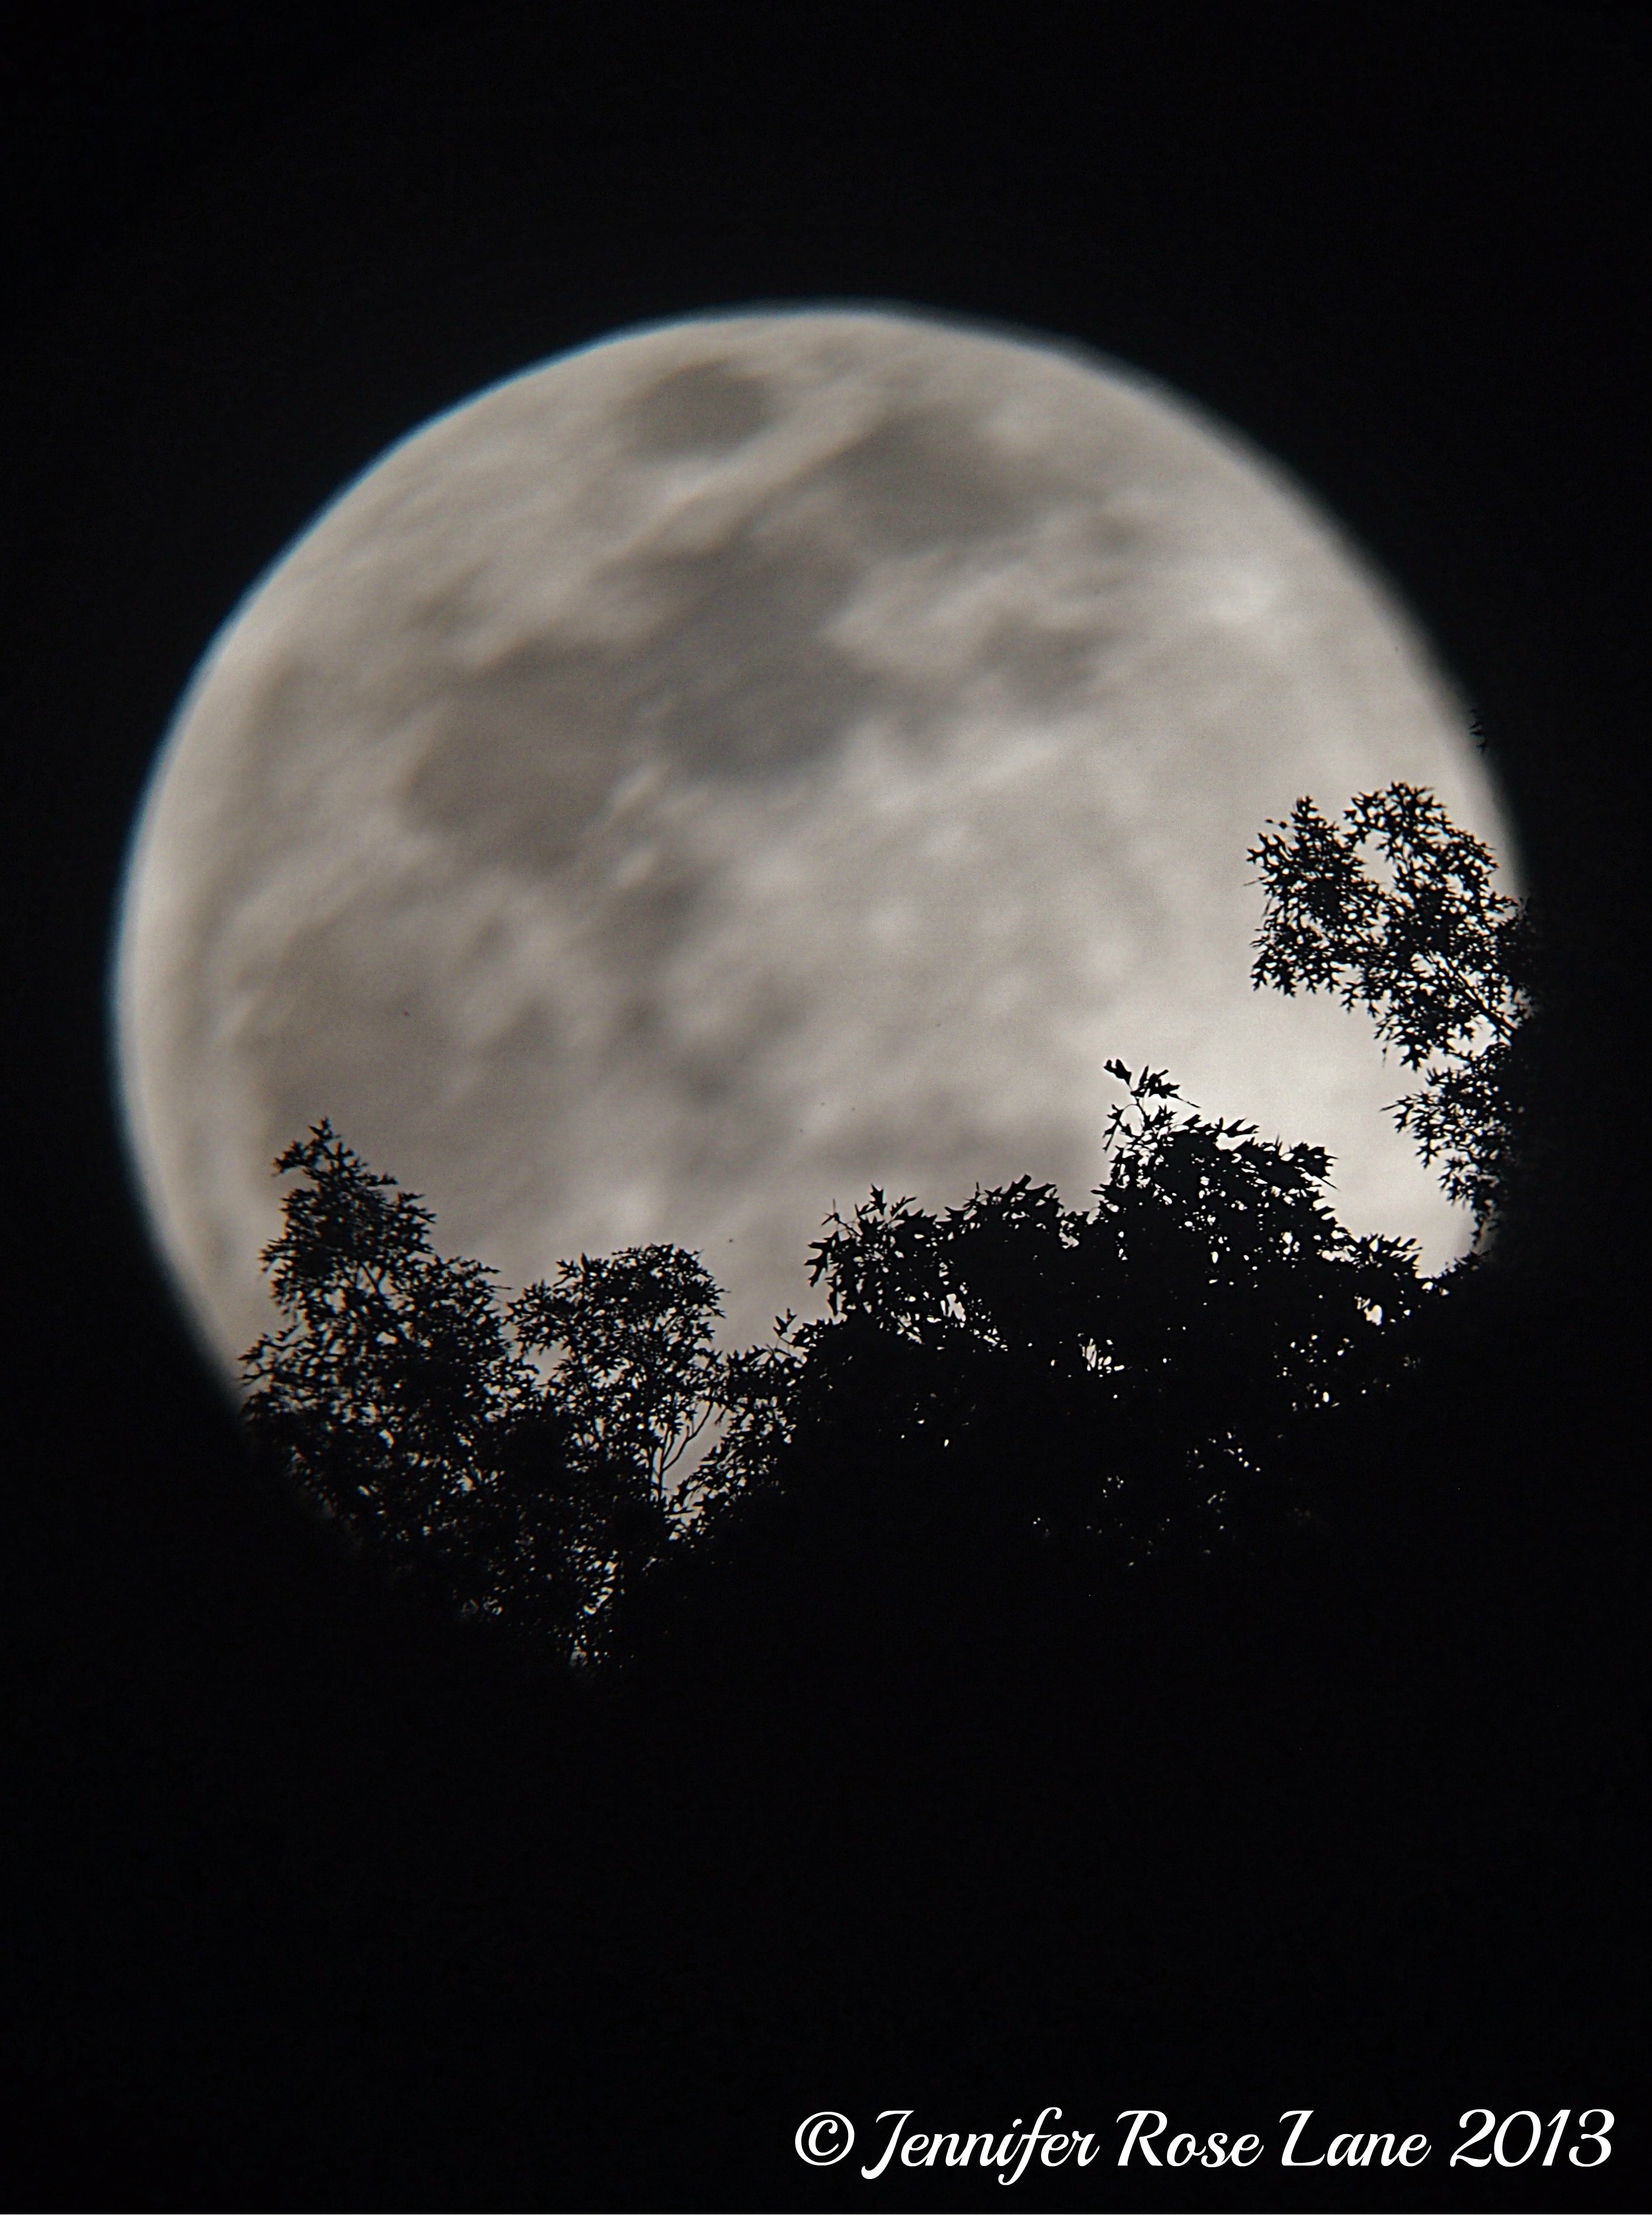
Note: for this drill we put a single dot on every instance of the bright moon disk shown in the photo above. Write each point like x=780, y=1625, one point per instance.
x=744, y=761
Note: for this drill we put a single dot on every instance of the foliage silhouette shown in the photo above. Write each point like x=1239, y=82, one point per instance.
x=389, y=1392
x=1395, y=911
x=635, y=1377
x=632, y=1383
x=1153, y=1352
x=1147, y=1380
x=405, y=1401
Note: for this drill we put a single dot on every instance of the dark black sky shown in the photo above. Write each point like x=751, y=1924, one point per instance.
x=1404, y=249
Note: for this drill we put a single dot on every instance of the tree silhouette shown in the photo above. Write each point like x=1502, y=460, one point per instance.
x=1162, y=1348
x=633, y=1382
x=388, y=1393
x=1157, y=1348
x=1145, y=1377
x=635, y=1377
x=406, y=1403
x=1395, y=911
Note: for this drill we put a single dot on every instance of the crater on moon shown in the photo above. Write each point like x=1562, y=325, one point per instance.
x=744, y=761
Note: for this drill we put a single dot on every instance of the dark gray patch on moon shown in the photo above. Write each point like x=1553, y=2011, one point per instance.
x=925, y=479
x=739, y=680
x=704, y=409
x=1041, y=666
x=524, y=757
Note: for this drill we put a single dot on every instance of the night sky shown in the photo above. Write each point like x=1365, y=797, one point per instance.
x=306, y=1916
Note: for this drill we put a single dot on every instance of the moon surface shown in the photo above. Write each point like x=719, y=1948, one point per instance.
x=749, y=759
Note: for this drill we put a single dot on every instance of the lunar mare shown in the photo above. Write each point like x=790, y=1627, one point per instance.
x=749, y=760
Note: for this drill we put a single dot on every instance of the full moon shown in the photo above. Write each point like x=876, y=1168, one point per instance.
x=746, y=760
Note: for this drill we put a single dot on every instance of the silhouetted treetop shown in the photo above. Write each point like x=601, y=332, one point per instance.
x=387, y=1388
x=1210, y=1288
x=1394, y=910
x=407, y=1402
x=635, y=1375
